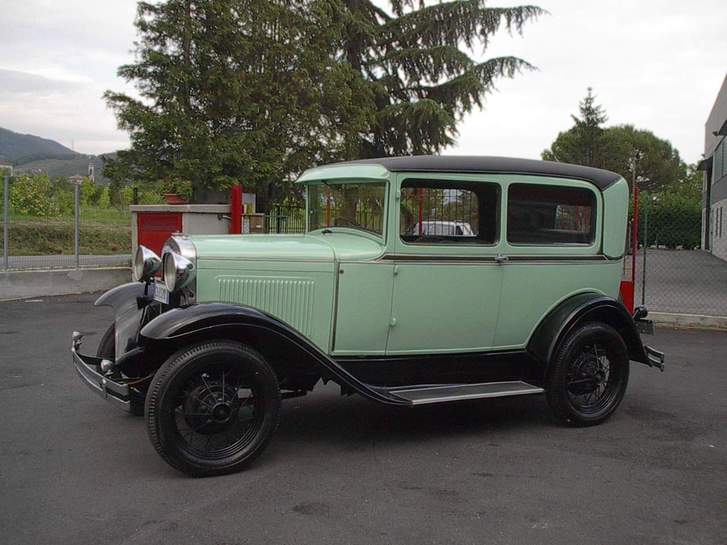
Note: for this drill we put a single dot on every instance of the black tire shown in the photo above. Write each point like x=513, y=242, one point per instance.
x=588, y=376
x=107, y=350
x=195, y=398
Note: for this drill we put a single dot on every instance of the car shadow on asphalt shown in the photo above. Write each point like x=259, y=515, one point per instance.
x=350, y=421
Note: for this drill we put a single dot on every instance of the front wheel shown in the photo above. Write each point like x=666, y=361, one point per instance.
x=588, y=375
x=212, y=408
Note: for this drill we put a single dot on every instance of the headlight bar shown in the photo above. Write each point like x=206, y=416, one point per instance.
x=178, y=271
x=146, y=263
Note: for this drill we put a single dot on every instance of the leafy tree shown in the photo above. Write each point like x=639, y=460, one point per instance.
x=31, y=195
x=415, y=66
x=104, y=199
x=657, y=162
x=620, y=148
x=88, y=192
x=248, y=90
x=258, y=90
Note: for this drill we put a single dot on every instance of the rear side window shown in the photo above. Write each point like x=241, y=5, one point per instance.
x=449, y=212
x=541, y=214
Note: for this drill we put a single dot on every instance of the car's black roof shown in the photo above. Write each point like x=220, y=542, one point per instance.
x=498, y=165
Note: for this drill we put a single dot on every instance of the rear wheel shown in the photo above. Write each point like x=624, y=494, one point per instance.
x=212, y=408
x=588, y=375
x=107, y=350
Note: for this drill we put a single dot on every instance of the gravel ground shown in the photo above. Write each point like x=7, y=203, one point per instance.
x=344, y=470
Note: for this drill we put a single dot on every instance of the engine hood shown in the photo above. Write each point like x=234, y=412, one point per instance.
x=329, y=247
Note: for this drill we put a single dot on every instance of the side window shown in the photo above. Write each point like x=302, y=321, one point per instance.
x=449, y=212
x=541, y=214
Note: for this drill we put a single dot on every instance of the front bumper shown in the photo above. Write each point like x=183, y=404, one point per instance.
x=88, y=368
x=655, y=357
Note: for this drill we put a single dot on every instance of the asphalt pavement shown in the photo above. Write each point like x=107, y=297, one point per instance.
x=340, y=470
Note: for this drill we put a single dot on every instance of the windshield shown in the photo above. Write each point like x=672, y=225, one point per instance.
x=349, y=204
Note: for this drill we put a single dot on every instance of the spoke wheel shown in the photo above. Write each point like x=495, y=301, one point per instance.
x=212, y=408
x=587, y=379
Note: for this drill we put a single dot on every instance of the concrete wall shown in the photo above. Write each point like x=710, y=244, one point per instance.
x=30, y=284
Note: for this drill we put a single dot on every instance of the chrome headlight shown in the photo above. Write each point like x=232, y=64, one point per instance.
x=146, y=263
x=178, y=271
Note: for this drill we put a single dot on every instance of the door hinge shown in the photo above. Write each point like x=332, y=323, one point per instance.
x=392, y=322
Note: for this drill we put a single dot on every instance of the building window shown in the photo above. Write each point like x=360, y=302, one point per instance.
x=720, y=161
x=543, y=214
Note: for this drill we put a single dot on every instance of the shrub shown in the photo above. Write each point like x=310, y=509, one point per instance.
x=673, y=220
x=104, y=199
x=88, y=192
x=32, y=195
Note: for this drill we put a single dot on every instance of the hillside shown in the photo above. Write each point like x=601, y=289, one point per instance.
x=65, y=167
x=17, y=149
x=29, y=153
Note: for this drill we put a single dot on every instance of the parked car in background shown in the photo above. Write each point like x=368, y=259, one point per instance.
x=420, y=280
x=443, y=228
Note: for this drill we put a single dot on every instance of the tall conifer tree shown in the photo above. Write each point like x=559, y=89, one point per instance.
x=416, y=61
x=258, y=90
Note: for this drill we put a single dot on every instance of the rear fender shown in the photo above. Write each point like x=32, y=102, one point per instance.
x=585, y=307
x=286, y=349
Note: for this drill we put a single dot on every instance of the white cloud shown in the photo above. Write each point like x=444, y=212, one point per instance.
x=655, y=64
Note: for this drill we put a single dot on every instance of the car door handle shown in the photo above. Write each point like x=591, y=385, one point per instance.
x=499, y=258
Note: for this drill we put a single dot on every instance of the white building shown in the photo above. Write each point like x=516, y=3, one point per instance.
x=714, y=165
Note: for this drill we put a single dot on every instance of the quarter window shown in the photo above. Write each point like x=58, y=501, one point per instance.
x=540, y=214
x=449, y=212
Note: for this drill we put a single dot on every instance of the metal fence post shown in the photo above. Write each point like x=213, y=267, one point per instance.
x=643, y=263
x=6, y=220
x=77, y=233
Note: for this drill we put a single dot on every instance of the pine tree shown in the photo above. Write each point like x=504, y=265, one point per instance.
x=258, y=90
x=588, y=142
x=236, y=90
x=581, y=144
x=588, y=127
x=416, y=63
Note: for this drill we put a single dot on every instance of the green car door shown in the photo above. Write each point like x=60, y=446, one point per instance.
x=447, y=281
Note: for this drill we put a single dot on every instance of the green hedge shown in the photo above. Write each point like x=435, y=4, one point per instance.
x=674, y=221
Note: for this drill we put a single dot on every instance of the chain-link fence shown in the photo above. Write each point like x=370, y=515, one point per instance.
x=673, y=273
x=60, y=224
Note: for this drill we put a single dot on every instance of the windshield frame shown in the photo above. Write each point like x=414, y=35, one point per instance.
x=354, y=230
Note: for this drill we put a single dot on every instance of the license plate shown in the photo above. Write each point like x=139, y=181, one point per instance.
x=161, y=293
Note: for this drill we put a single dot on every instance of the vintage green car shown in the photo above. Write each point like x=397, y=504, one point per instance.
x=419, y=280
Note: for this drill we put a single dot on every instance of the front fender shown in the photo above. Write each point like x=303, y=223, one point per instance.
x=122, y=297
x=585, y=307
x=223, y=320
x=128, y=314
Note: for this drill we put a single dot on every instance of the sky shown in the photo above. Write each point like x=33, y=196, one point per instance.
x=656, y=64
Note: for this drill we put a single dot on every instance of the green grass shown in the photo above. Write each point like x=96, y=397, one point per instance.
x=103, y=232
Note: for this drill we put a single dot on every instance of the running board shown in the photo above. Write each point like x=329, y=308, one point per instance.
x=442, y=393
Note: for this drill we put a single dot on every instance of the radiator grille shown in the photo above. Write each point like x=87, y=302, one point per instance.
x=290, y=299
